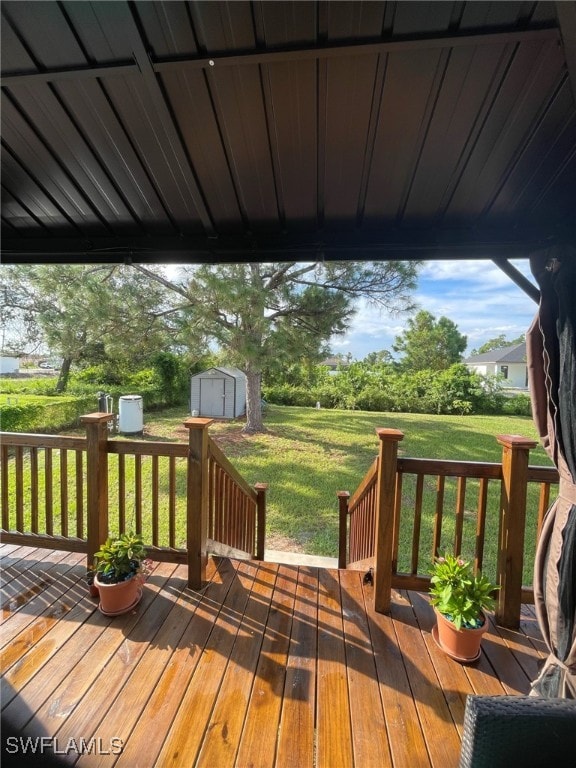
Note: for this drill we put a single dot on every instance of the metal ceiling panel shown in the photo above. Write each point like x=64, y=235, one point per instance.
x=206, y=131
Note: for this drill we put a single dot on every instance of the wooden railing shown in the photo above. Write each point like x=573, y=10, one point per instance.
x=186, y=499
x=34, y=466
x=236, y=513
x=428, y=508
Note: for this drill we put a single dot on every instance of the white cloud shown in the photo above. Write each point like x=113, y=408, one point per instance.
x=476, y=295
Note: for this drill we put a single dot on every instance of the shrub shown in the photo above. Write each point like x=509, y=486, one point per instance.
x=36, y=414
x=519, y=405
x=44, y=386
x=375, y=398
x=286, y=394
x=173, y=376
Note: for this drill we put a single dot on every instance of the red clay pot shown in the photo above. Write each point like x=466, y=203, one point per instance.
x=460, y=644
x=116, y=599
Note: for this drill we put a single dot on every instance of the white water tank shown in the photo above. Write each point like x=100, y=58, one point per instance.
x=130, y=414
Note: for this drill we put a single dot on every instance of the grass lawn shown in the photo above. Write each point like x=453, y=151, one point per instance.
x=307, y=455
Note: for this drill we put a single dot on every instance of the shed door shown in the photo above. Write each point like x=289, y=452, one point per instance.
x=212, y=397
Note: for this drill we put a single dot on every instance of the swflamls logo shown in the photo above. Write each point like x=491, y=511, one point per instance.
x=43, y=745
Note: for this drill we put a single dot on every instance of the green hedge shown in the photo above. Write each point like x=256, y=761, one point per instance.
x=43, y=414
x=382, y=388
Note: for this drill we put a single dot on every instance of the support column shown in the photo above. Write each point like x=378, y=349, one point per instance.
x=515, y=454
x=96, y=481
x=197, y=500
x=384, y=534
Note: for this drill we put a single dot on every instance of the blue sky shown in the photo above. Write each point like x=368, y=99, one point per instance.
x=476, y=295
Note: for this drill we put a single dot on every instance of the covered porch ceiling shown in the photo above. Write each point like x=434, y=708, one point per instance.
x=202, y=132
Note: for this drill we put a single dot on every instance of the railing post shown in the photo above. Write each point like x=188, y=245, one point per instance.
x=343, y=497
x=197, y=500
x=384, y=534
x=96, y=481
x=260, y=489
x=515, y=454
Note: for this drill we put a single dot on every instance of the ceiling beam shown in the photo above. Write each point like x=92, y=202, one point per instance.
x=301, y=53
x=119, y=69
x=393, y=245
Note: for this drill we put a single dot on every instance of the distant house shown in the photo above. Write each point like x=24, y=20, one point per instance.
x=507, y=362
x=335, y=362
x=9, y=364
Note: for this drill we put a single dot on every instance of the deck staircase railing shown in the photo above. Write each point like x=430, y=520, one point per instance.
x=55, y=493
x=438, y=505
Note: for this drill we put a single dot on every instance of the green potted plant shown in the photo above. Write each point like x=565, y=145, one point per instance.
x=460, y=598
x=120, y=570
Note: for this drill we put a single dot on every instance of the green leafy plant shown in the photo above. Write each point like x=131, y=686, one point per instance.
x=119, y=559
x=458, y=593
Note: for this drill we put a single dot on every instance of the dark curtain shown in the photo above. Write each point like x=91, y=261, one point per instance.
x=551, y=351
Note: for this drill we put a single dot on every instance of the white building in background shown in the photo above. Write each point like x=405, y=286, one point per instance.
x=507, y=362
x=9, y=364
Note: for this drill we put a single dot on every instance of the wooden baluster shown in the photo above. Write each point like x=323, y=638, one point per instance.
x=481, y=524
x=197, y=500
x=515, y=453
x=212, y=474
x=397, y=512
x=121, y=492
x=155, y=500
x=385, y=504
x=34, y=489
x=172, y=502
x=417, y=523
x=343, y=497
x=5, y=488
x=63, y=492
x=19, y=471
x=459, y=521
x=79, y=495
x=260, y=489
x=48, y=492
x=438, y=515
x=137, y=493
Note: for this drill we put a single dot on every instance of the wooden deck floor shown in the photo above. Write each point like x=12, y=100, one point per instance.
x=270, y=665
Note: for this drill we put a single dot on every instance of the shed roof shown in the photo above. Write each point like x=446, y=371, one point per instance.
x=234, y=373
x=511, y=354
x=276, y=131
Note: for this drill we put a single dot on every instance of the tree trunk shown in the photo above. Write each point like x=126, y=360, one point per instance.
x=253, y=403
x=64, y=374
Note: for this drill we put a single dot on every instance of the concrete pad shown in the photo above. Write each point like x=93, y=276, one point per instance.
x=298, y=558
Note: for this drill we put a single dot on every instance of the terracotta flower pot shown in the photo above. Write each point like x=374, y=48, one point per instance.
x=460, y=644
x=119, y=598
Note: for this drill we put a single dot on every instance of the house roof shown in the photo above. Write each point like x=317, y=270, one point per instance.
x=511, y=354
x=335, y=361
x=258, y=131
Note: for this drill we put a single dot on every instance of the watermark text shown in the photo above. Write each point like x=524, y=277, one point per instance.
x=44, y=745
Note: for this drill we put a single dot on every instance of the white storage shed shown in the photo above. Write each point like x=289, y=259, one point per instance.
x=218, y=393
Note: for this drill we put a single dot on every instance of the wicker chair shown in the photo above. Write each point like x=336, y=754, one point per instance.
x=522, y=731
